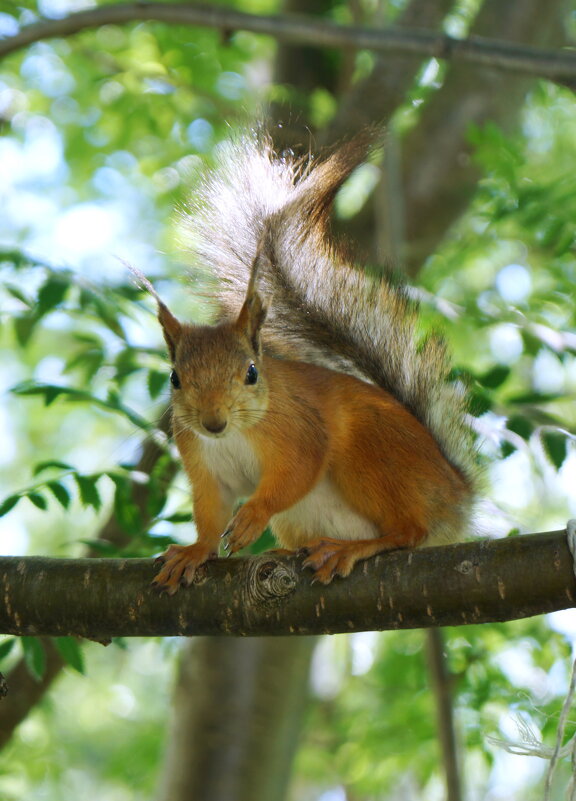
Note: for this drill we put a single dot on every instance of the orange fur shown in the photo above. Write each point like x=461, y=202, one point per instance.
x=332, y=419
x=301, y=429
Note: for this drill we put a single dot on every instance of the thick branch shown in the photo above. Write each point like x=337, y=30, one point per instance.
x=375, y=98
x=237, y=712
x=439, y=175
x=552, y=64
x=474, y=582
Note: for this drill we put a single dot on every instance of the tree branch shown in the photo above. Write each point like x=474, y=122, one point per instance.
x=25, y=690
x=441, y=684
x=250, y=696
x=475, y=582
x=555, y=65
x=375, y=98
x=439, y=175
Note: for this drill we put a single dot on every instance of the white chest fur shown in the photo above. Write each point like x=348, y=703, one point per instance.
x=232, y=461
x=321, y=513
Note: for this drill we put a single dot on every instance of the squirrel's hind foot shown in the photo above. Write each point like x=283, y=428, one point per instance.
x=329, y=557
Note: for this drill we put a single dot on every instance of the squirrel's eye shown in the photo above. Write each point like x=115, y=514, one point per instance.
x=174, y=379
x=251, y=374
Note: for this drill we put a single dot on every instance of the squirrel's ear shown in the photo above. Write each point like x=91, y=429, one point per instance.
x=254, y=309
x=251, y=318
x=170, y=326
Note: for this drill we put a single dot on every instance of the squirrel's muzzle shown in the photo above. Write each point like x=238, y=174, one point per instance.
x=213, y=424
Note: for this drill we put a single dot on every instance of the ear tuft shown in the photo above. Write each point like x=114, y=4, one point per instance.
x=254, y=309
x=251, y=318
x=171, y=327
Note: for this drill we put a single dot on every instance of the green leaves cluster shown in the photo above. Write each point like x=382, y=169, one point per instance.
x=135, y=107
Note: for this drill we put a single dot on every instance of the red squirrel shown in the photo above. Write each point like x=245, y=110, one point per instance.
x=311, y=397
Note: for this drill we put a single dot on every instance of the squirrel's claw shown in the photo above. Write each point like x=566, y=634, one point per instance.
x=329, y=558
x=244, y=528
x=179, y=565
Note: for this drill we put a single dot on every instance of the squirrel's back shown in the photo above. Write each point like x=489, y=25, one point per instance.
x=323, y=310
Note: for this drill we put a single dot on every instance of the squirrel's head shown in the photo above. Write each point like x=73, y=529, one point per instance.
x=217, y=380
x=216, y=377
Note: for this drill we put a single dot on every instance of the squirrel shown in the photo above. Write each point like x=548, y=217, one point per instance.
x=311, y=397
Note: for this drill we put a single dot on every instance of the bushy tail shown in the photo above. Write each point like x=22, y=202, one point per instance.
x=323, y=310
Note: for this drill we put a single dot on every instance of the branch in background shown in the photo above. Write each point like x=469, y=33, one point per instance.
x=250, y=695
x=439, y=175
x=375, y=98
x=24, y=690
x=559, y=66
x=441, y=685
x=474, y=582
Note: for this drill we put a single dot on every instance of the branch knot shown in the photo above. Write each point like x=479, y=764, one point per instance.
x=268, y=580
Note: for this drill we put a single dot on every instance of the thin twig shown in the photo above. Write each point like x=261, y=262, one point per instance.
x=440, y=678
x=560, y=734
x=556, y=65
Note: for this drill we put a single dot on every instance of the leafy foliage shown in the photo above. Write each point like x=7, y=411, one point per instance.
x=113, y=124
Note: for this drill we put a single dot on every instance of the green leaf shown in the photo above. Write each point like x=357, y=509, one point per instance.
x=50, y=463
x=555, y=446
x=520, y=425
x=6, y=647
x=8, y=504
x=51, y=294
x=34, y=656
x=156, y=382
x=89, y=361
x=38, y=500
x=494, y=377
x=126, y=363
x=102, y=546
x=49, y=391
x=127, y=513
x=178, y=517
x=507, y=448
x=60, y=493
x=480, y=402
x=17, y=293
x=107, y=316
x=157, y=541
x=530, y=398
x=24, y=327
x=89, y=494
x=70, y=650
x=52, y=391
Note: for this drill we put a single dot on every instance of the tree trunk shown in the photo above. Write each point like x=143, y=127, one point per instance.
x=439, y=176
x=237, y=713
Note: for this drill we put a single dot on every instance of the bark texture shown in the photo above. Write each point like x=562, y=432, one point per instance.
x=439, y=176
x=474, y=582
x=237, y=713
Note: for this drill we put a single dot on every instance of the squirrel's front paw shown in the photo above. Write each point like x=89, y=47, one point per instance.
x=244, y=528
x=180, y=563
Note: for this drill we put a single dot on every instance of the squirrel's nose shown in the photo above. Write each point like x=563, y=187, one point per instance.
x=214, y=426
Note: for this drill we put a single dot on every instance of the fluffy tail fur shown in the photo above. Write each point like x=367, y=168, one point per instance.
x=323, y=310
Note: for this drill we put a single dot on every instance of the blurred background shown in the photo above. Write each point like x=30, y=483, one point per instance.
x=102, y=137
